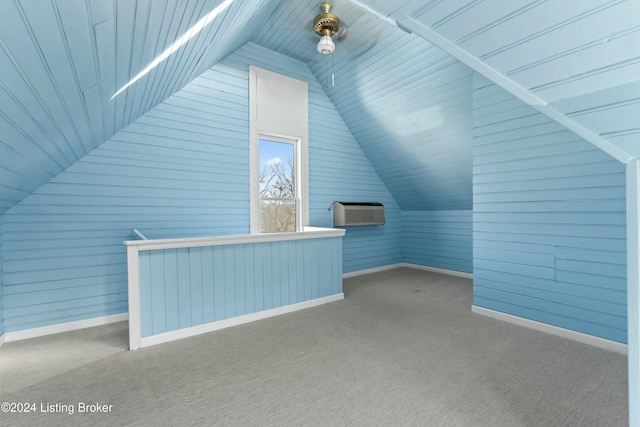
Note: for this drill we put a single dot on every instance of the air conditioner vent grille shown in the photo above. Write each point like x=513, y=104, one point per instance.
x=357, y=213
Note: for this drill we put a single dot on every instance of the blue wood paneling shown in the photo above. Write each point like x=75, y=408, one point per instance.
x=63, y=60
x=612, y=113
x=300, y=270
x=407, y=103
x=441, y=239
x=181, y=170
x=549, y=234
x=338, y=169
x=580, y=58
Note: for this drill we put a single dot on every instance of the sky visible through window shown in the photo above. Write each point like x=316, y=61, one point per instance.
x=277, y=187
x=273, y=152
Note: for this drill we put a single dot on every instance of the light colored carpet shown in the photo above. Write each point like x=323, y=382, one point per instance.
x=403, y=348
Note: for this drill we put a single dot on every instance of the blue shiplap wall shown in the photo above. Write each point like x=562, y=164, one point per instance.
x=180, y=170
x=406, y=101
x=181, y=288
x=441, y=239
x=548, y=220
x=338, y=170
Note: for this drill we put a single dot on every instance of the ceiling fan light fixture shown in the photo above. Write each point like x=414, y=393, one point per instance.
x=325, y=25
x=326, y=45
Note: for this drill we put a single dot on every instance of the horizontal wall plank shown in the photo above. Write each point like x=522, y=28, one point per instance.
x=603, y=292
x=545, y=173
x=510, y=256
x=440, y=239
x=606, y=320
x=549, y=220
x=44, y=317
x=180, y=170
x=571, y=206
x=524, y=310
x=532, y=238
x=576, y=218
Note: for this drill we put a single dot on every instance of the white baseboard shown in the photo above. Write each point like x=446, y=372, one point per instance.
x=235, y=321
x=520, y=321
x=371, y=270
x=63, y=327
x=408, y=265
x=553, y=330
x=2, y=340
x=438, y=270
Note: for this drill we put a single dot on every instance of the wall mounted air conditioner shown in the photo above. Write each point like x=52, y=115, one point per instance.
x=357, y=213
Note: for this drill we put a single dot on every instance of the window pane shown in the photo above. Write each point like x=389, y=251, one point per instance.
x=277, y=216
x=277, y=187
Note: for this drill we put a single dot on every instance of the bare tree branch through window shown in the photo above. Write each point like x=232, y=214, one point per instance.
x=278, y=196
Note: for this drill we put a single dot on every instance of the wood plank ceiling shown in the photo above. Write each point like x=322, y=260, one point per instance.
x=406, y=101
x=580, y=59
x=61, y=62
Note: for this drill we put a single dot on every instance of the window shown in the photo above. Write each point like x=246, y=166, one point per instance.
x=279, y=192
x=278, y=132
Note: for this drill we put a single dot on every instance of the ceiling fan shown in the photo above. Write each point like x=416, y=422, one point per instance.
x=332, y=29
x=326, y=25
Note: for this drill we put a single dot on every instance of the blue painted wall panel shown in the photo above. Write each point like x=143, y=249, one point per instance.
x=184, y=287
x=234, y=269
x=441, y=239
x=180, y=170
x=213, y=280
x=549, y=220
x=338, y=169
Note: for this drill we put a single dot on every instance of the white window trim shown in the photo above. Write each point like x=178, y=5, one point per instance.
x=301, y=180
x=277, y=131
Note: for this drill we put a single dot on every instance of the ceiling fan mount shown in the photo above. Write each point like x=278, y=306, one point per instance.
x=326, y=23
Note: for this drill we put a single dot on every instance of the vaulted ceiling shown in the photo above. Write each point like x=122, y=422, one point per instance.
x=62, y=61
x=402, y=75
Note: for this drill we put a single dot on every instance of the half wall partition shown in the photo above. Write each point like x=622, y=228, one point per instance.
x=184, y=287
